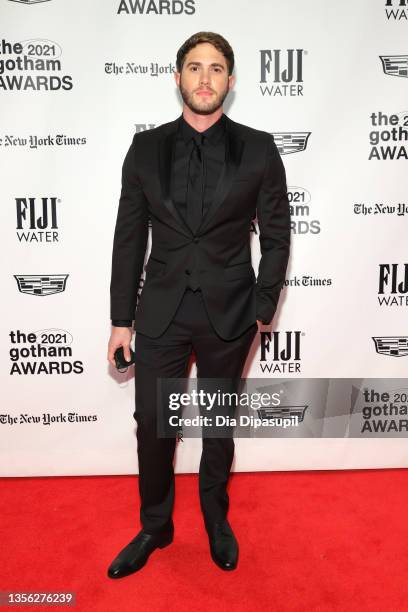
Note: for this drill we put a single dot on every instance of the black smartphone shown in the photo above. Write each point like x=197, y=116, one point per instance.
x=120, y=358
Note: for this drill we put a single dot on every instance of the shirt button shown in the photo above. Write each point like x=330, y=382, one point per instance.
x=187, y=271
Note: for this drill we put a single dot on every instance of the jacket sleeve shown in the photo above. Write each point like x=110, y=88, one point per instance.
x=273, y=216
x=129, y=242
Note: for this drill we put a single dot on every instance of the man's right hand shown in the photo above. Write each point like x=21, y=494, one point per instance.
x=120, y=336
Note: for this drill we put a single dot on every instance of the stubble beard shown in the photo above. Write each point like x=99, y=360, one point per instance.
x=205, y=108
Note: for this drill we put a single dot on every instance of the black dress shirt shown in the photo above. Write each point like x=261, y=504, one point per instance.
x=214, y=156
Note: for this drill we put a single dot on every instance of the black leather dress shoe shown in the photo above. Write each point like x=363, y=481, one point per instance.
x=134, y=556
x=223, y=545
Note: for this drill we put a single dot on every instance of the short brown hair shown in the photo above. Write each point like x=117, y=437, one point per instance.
x=214, y=39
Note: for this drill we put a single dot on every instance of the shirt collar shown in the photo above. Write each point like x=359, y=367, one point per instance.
x=213, y=134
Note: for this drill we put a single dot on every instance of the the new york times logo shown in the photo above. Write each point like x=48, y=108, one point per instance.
x=153, y=69
x=156, y=7
x=284, y=69
x=393, y=284
x=280, y=352
x=307, y=280
x=34, y=142
x=379, y=208
x=37, y=219
x=396, y=9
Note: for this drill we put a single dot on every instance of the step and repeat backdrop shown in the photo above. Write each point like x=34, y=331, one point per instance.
x=329, y=80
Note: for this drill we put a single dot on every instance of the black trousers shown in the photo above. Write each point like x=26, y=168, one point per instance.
x=168, y=356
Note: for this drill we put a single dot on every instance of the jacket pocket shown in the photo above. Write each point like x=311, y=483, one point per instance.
x=244, y=270
x=155, y=267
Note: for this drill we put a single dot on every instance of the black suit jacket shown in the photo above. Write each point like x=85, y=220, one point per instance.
x=252, y=183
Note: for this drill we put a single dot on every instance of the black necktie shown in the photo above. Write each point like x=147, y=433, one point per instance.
x=195, y=183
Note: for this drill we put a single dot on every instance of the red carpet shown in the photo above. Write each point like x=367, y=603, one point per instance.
x=309, y=541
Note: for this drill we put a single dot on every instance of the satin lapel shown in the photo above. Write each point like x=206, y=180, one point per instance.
x=166, y=153
x=233, y=155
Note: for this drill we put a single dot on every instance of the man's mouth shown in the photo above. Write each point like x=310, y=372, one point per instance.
x=204, y=92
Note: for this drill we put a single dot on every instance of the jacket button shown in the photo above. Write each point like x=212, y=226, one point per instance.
x=187, y=271
x=196, y=240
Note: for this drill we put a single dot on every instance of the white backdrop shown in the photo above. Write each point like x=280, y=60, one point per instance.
x=76, y=80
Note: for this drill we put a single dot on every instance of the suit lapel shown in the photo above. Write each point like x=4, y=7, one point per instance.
x=166, y=155
x=234, y=147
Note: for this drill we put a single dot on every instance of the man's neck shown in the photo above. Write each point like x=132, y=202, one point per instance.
x=201, y=122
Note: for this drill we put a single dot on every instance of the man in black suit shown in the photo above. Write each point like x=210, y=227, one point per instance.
x=201, y=179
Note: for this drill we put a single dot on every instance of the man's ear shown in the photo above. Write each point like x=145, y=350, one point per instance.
x=177, y=78
x=231, y=81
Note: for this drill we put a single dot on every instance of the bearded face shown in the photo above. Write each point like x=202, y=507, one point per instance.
x=204, y=81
